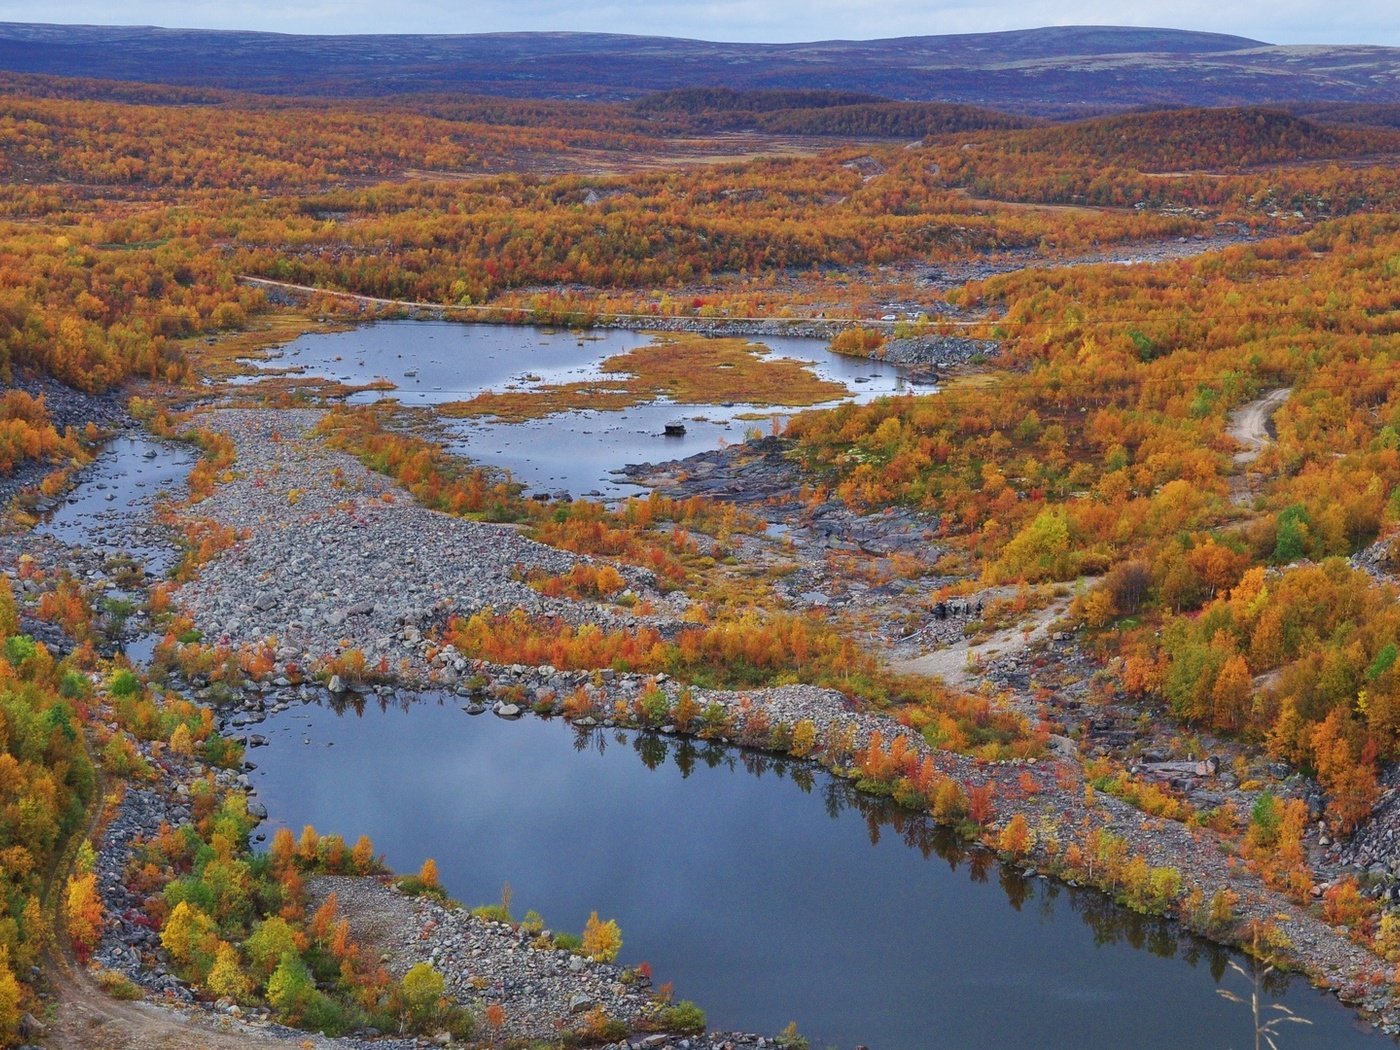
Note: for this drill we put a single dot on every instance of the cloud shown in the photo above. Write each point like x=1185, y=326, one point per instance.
x=1280, y=21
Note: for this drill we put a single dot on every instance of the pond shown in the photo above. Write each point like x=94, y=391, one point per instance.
x=765, y=889
x=110, y=506
x=429, y=363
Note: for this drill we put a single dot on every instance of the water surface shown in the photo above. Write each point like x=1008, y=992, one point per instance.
x=576, y=452
x=766, y=890
x=113, y=499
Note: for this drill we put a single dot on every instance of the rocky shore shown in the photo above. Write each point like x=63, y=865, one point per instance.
x=759, y=476
x=334, y=557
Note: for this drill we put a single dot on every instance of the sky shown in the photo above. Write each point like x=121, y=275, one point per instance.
x=1275, y=21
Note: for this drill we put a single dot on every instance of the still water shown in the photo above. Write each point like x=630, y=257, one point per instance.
x=432, y=362
x=766, y=890
x=114, y=497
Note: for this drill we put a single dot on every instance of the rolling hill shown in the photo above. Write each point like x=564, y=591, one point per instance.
x=1053, y=71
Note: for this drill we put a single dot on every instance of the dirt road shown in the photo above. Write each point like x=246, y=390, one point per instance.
x=1249, y=425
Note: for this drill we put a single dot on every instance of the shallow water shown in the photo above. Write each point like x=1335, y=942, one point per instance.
x=575, y=452
x=116, y=494
x=766, y=890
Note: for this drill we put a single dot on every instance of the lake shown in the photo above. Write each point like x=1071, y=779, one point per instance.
x=765, y=889
x=575, y=452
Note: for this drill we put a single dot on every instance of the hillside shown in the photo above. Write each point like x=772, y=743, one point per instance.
x=1194, y=139
x=1046, y=71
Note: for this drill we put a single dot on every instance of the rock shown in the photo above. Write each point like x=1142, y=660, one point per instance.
x=336, y=685
x=579, y=1004
x=505, y=710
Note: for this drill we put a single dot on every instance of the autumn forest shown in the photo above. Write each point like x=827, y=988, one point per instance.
x=1149, y=502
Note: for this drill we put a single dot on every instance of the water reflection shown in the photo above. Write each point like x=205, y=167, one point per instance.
x=767, y=889
x=429, y=363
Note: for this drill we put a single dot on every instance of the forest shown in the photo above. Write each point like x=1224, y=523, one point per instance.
x=1095, y=450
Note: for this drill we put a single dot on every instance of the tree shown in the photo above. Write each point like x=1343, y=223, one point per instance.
x=227, y=978
x=9, y=1000
x=362, y=855
x=290, y=987
x=271, y=940
x=191, y=937
x=980, y=806
x=1039, y=551
x=602, y=941
x=84, y=914
x=1231, y=695
x=1015, y=838
x=428, y=874
x=949, y=802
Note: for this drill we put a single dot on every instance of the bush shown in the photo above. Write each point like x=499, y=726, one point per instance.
x=124, y=684
x=20, y=648
x=602, y=941
x=117, y=985
x=422, y=990
x=568, y=942
x=683, y=1016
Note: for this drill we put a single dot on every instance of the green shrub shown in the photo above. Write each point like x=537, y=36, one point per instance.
x=683, y=1016
x=124, y=683
x=20, y=648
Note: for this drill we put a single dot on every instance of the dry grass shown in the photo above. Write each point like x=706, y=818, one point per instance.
x=224, y=358
x=687, y=370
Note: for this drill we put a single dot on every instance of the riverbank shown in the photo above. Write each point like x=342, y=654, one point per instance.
x=323, y=536
x=1048, y=794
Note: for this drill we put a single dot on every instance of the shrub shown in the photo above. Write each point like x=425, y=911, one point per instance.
x=683, y=1016
x=422, y=991
x=123, y=684
x=602, y=941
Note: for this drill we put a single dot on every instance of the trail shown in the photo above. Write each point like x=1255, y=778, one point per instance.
x=959, y=663
x=503, y=312
x=1251, y=425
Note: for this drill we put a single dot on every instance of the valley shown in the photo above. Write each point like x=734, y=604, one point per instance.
x=693, y=570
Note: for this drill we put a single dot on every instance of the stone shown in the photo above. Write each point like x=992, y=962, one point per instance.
x=507, y=710
x=579, y=1004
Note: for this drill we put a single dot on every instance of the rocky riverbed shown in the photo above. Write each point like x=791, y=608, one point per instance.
x=334, y=557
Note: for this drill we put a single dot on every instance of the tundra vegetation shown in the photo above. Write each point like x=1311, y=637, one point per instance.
x=1093, y=450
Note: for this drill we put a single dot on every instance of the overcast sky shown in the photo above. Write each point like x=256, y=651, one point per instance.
x=1276, y=21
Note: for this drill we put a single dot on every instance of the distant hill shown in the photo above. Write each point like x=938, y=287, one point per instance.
x=1047, y=71
x=1203, y=139
x=798, y=112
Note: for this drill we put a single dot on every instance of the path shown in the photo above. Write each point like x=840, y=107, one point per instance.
x=1251, y=425
x=499, y=312
x=958, y=664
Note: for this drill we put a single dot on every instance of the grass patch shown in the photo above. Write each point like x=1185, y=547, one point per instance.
x=687, y=370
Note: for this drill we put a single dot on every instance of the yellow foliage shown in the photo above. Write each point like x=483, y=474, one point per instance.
x=602, y=941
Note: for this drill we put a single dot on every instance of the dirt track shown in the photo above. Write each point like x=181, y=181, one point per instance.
x=1249, y=424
